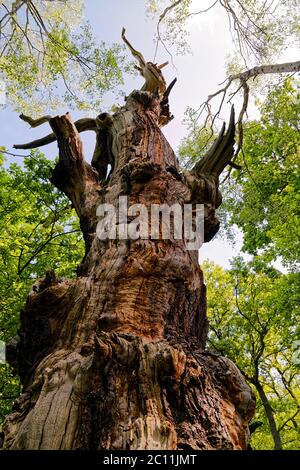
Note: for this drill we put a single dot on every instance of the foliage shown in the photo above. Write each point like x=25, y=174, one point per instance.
x=195, y=145
x=48, y=55
x=39, y=231
x=260, y=29
x=263, y=199
x=253, y=311
x=261, y=32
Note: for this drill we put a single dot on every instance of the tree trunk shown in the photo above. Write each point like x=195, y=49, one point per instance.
x=270, y=415
x=115, y=359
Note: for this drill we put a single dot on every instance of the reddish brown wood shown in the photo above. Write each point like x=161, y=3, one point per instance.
x=116, y=359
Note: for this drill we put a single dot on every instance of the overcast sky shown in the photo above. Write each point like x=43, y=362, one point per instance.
x=198, y=75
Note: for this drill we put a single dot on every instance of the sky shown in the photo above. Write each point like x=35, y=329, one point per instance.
x=198, y=75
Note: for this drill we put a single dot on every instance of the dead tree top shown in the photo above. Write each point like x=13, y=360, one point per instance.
x=212, y=164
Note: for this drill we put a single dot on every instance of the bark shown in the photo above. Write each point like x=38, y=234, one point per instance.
x=270, y=415
x=115, y=359
x=287, y=67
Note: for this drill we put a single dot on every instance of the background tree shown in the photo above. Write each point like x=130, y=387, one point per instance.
x=260, y=29
x=261, y=32
x=253, y=312
x=263, y=198
x=39, y=232
x=48, y=55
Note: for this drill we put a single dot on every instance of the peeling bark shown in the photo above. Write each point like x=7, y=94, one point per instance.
x=116, y=359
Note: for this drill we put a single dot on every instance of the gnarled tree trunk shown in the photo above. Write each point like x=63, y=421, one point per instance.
x=116, y=359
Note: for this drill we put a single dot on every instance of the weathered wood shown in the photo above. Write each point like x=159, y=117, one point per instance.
x=154, y=79
x=84, y=124
x=116, y=359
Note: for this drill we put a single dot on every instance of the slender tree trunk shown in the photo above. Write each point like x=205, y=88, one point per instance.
x=115, y=359
x=270, y=415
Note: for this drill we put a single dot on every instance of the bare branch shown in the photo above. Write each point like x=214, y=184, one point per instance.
x=291, y=418
x=154, y=80
x=42, y=246
x=159, y=38
x=15, y=154
x=220, y=154
x=138, y=55
x=35, y=122
x=203, y=11
x=82, y=125
x=242, y=78
x=286, y=67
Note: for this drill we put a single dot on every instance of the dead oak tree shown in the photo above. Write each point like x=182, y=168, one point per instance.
x=115, y=359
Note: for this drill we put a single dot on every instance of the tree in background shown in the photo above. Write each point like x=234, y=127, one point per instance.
x=253, y=312
x=261, y=32
x=49, y=56
x=263, y=199
x=39, y=232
